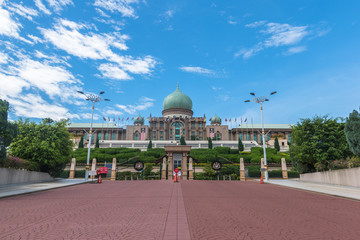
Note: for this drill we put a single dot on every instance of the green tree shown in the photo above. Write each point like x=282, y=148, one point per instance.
x=208, y=171
x=210, y=143
x=8, y=130
x=81, y=143
x=276, y=144
x=317, y=143
x=182, y=141
x=240, y=145
x=47, y=144
x=150, y=145
x=352, y=132
x=97, y=145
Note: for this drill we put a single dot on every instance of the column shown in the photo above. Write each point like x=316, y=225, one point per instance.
x=262, y=166
x=191, y=170
x=284, y=169
x=170, y=166
x=113, y=170
x=163, y=169
x=184, y=166
x=93, y=166
x=72, y=168
x=242, y=169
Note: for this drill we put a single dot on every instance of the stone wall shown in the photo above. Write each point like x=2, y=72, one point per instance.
x=14, y=176
x=346, y=177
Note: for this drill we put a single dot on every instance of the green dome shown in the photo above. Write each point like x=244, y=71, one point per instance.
x=139, y=120
x=177, y=99
x=215, y=120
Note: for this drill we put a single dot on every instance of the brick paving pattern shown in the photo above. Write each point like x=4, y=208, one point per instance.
x=186, y=210
x=249, y=210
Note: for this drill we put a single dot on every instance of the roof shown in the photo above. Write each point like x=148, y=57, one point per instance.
x=95, y=125
x=177, y=99
x=266, y=126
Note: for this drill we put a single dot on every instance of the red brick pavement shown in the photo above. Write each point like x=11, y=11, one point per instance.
x=249, y=210
x=156, y=210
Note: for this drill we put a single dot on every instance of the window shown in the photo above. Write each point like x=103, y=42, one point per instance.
x=171, y=138
x=161, y=132
x=171, y=132
x=184, y=132
x=113, y=137
x=268, y=136
x=200, y=125
x=192, y=125
x=136, y=136
x=282, y=144
x=177, y=126
x=200, y=133
x=154, y=133
x=161, y=138
x=106, y=136
x=241, y=136
x=99, y=136
x=154, y=124
x=200, y=138
x=255, y=137
x=192, y=133
x=247, y=136
x=161, y=124
x=154, y=137
x=289, y=137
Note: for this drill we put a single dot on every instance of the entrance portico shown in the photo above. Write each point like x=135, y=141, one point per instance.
x=177, y=158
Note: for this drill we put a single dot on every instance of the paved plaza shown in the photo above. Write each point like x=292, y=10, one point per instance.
x=185, y=210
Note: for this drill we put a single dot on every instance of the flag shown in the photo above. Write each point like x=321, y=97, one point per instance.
x=204, y=119
x=119, y=119
x=137, y=118
x=142, y=136
x=229, y=119
x=104, y=118
x=225, y=120
x=127, y=119
x=245, y=119
x=147, y=119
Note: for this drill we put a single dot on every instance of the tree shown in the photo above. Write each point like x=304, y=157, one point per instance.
x=81, y=143
x=317, y=143
x=240, y=145
x=182, y=141
x=47, y=144
x=276, y=144
x=150, y=145
x=97, y=145
x=8, y=130
x=210, y=143
x=352, y=132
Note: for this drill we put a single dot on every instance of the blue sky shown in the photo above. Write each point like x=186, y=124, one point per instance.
x=218, y=52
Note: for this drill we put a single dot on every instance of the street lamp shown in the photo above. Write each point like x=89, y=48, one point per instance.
x=260, y=101
x=94, y=99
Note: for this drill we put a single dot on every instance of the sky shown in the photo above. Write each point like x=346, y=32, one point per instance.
x=217, y=51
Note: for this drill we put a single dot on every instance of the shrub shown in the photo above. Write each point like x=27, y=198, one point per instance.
x=254, y=171
x=275, y=173
x=222, y=150
x=293, y=174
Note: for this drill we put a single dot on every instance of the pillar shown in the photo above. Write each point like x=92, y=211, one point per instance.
x=284, y=169
x=72, y=168
x=113, y=170
x=93, y=166
x=191, y=170
x=262, y=166
x=242, y=170
x=184, y=166
x=170, y=166
x=163, y=169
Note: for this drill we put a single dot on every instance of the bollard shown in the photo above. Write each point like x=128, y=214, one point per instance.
x=230, y=178
x=218, y=177
x=137, y=177
x=125, y=178
x=131, y=176
x=224, y=178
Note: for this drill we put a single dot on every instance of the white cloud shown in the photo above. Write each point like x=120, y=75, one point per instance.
x=8, y=26
x=35, y=39
x=215, y=88
x=276, y=35
x=3, y=58
x=42, y=7
x=33, y=106
x=199, y=70
x=144, y=103
x=12, y=86
x=23, y=11
x=294, y=50
x=58, y=5
x=169, y=13
x=122, y=6
x=112, y=71
x=232, y=22
x=223, y=97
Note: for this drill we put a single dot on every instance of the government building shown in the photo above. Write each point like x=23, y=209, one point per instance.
x=177, y=120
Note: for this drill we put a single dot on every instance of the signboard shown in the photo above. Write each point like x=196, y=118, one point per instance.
x=216, y=165
x=103, y=170
x=92, y=173
x=176, y=170
x=139, y=165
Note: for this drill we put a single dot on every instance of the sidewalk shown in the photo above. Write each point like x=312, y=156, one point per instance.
x=335, y=190
x=23, y=188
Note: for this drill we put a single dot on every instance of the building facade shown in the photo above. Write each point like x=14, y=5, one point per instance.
x=177, y=120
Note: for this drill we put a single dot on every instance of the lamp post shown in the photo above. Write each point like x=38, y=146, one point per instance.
x=260, y=100
x=94, y=99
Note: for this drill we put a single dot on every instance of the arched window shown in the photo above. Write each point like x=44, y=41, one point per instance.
x=177, y=126
x=137, y=135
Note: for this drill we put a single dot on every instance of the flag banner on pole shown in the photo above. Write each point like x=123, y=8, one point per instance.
x=245, y=119
x=225, y=120
x=229, y=119
x=104, y=118
x=211, y=135
x=142, y=136
x=204, y=119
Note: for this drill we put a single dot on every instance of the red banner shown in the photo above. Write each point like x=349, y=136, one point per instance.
x=103, y=170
